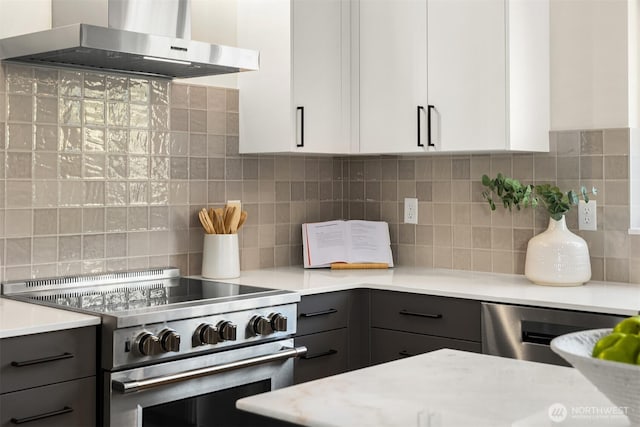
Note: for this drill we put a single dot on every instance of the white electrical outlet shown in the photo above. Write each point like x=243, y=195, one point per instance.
x=410, y=210
x=587, y=219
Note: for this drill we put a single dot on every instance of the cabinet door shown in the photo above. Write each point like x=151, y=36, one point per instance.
x=304, y=56
x=320, y=56
x=467, y=74
x=326, y=355
x=391, y=345
x=322, y=312
x=392, y=75
x=65, y=404
x=426, y=314
x=265, y=95
x=33, y=360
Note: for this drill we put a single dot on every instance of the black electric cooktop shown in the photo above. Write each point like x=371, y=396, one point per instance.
x=124, y=297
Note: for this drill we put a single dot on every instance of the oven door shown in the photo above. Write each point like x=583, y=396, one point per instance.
x=198, y=391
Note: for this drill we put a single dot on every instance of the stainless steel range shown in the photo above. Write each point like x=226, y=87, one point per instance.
x=175, y=350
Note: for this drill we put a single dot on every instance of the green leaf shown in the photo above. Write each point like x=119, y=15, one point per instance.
x=513, y=194
x=573, y=197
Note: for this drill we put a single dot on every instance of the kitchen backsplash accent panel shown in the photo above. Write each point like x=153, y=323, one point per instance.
x=104, y=172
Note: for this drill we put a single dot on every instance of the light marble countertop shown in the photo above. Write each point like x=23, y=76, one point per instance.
x=598, y=297
x=20, y=318
x=444, y=388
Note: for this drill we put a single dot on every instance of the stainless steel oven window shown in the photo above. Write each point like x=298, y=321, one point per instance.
x=128, y=393
x=211, y=410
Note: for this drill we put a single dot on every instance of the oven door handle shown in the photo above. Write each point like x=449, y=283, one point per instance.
x=131, y=386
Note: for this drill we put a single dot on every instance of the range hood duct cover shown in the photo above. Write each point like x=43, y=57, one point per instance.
x=125, y=44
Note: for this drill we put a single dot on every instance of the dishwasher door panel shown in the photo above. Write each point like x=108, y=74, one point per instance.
x=524, y=333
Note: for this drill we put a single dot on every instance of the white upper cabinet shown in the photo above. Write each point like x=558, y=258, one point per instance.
x=467, y=76
x=395, y=76
x=392, y=46
x=485, y=85
x=299, y=99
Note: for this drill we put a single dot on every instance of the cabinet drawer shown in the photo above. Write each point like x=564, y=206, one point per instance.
x=326, y=355
x=389, y=345
x=33, y=360
x=70, y=403
x=425, y=314
x=322, y=312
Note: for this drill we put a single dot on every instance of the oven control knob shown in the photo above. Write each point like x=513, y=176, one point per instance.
x=278, y=322
x=170, y=340
x=227, y=331
x=261, y=325
x=148, y=344
x=207, y=334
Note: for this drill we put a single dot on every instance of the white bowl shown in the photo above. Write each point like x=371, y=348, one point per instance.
x=620, y=382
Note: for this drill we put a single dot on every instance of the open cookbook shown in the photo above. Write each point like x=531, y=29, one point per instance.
x=325, y=243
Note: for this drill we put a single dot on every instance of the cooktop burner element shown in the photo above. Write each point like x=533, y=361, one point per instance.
x=156, y=314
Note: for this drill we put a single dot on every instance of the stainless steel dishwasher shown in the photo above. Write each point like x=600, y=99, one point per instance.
x=524, y=333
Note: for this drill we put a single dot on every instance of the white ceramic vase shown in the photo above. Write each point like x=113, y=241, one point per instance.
x=557, y=257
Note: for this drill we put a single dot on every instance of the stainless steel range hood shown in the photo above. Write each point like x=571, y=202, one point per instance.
x=126, y=43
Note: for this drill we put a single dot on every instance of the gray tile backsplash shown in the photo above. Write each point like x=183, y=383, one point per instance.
x=104, y=172
x=457, y=230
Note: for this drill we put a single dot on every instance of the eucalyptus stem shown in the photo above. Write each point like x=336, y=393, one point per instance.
x=513, y=194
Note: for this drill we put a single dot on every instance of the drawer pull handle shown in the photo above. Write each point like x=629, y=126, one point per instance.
x=149, y=383
x=420, y=109
x=319, y=313
x=405, y=353
x=301, y=143
x=429, y=108
x=413, y=313
x=323, y=354
x=42, y=360
x=537, y=338
x=62, y=411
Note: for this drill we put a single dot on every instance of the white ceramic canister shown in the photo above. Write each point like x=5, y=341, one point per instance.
x=220, y=256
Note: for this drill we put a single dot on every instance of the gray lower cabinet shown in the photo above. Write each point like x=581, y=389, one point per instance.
x=49, y=379
x=334, y=328
x=323, y=312
x=387, y=345
x=326, y=355
x=404, y=324
x=353, y=329
x=69, y=403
